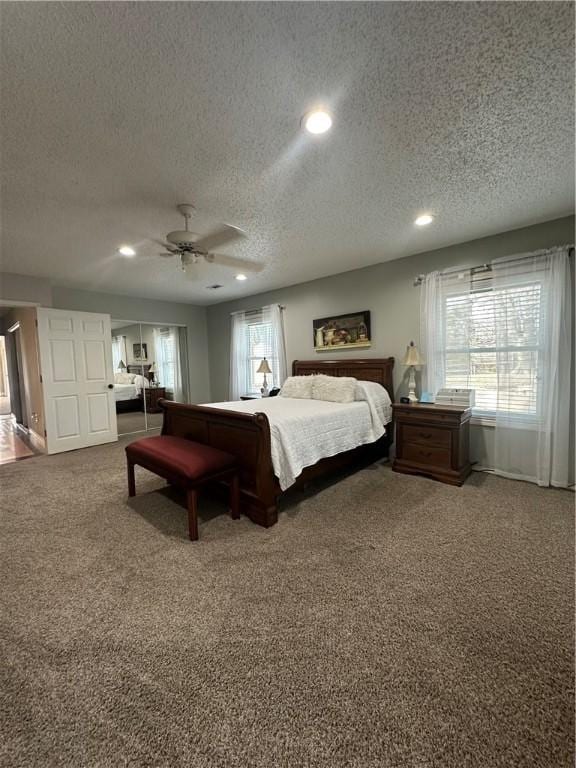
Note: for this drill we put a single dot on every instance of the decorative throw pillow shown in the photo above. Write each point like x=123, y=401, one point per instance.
x=298, y=386
x=123, y=378
x=336, y=389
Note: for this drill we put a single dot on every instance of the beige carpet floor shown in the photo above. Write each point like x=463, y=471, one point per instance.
x=136, y=421
x=387, y=621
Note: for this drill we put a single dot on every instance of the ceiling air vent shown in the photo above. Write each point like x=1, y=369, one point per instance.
x=214, y=287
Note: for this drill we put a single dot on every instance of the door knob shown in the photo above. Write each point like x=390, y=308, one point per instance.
x=110, y=386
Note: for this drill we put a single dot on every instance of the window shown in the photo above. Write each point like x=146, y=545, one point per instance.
x=492, y=344
x=259, y=343
x=166, y=358
x=255, y=335
x=506, y=332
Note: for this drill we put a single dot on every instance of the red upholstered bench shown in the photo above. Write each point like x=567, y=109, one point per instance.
x=186, y=464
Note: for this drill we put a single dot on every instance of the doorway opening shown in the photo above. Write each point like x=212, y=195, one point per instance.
x=20, y=421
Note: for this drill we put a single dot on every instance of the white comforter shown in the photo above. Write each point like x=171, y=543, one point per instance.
x=126, y=392
x=304, y=431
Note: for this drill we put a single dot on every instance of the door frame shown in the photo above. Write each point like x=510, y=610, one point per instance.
x=16, y=379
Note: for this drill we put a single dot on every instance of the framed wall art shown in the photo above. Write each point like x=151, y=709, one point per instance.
x=342, y=332
x=140, y=352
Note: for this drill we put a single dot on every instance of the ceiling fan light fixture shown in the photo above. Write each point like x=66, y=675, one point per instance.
x=318, y=121
x=126, y=250
x=241, y=277
x=424, y=220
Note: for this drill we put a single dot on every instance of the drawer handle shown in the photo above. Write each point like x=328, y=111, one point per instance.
x=425, y=453
x=425, y=435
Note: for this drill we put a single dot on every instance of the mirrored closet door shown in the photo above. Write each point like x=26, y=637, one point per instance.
x=150, y=362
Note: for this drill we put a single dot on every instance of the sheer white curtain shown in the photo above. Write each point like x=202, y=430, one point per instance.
x=431, y=342
x=272, y=317
x=534, y=338
x=256, y=334
x=118, y=351
x=445, y=329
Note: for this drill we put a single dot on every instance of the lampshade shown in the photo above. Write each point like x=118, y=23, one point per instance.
x=153, y=368
x=264, y=367
x=122, y=365
x=412, y=356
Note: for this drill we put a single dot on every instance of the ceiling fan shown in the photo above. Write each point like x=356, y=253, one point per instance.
x=192, y=248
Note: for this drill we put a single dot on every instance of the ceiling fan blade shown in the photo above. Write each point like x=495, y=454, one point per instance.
x=230, y=261
x=164, y=244
x=167, y=254
x=226, y=234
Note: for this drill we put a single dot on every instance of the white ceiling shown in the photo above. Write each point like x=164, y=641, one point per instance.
x=112, y=113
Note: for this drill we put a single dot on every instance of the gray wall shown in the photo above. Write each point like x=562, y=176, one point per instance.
x=162, y=312
x=21, y=288
x=36, y=290
x=387, y=291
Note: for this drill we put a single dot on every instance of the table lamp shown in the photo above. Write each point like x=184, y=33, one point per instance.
x=264, y=368
x=411, y=359
x=121, y=366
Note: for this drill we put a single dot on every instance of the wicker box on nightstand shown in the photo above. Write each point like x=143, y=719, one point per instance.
x=433, y=440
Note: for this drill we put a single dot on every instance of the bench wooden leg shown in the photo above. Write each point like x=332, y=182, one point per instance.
x=235, y=496
x=191, y=498
x=131, y=480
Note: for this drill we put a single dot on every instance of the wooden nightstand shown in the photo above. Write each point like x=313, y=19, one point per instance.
x=153, y=394
x=433, y=440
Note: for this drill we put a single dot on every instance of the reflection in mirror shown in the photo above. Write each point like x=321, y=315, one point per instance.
x=167, y=353
x=129, y=379
x=150, y=362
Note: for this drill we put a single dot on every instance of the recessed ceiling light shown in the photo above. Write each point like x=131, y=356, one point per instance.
x=241, y=277
x=126, y=250
x=318, y=121
x=421, y=221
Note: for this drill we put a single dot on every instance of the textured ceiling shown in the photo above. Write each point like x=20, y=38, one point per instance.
x=112, y=113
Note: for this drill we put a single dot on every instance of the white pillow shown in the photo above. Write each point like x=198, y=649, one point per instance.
x=335, y=389
x=123, y=378
x=298, y=386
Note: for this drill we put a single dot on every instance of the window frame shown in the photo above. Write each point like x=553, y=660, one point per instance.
x=251, y=359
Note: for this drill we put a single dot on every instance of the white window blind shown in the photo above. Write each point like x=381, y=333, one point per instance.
x=492, y=343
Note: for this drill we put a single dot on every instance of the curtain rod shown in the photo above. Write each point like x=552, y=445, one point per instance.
x=419, y=279
x=254, y=310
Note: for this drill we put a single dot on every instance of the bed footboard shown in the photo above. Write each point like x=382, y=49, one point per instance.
x=244, y=435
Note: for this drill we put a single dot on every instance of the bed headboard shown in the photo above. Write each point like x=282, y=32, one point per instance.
x=139, y=368
x=378, y=369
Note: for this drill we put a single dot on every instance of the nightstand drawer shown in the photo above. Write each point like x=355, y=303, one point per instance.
x=426, y=435
x=422, y=454
x=420, y=416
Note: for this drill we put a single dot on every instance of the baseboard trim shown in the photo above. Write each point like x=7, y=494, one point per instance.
x=37, y=441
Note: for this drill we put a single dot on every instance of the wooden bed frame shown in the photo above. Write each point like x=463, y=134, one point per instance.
x=247, y=436
x=137, y=403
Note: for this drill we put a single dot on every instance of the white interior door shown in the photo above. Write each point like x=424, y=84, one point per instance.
x=78, y=380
